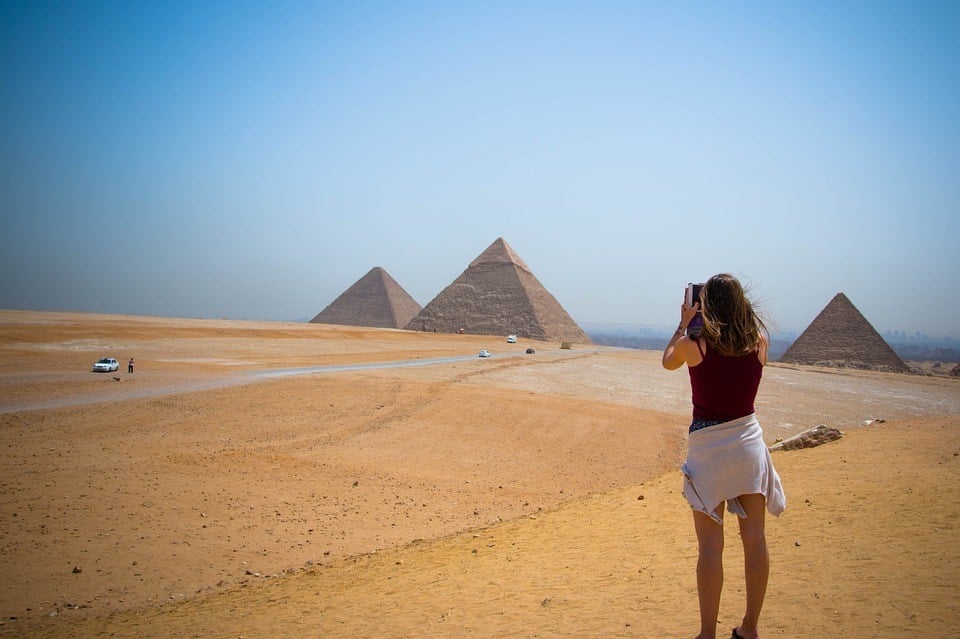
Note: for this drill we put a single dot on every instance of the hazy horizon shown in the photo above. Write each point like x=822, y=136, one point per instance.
x=253, y=161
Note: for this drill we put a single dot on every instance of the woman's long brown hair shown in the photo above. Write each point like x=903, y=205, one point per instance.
x=730, y=325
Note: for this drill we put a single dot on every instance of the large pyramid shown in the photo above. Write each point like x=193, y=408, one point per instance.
x=498, y=295
x=374, y=300
x=841, y=336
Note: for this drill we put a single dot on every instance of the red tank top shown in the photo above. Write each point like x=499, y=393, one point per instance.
x=724, y=388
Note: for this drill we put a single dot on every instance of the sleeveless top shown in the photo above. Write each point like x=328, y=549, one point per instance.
x=724, y=388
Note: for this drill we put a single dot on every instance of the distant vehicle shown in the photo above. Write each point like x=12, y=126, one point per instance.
x=529, y=351
x=511, y=339
x=105, y=365
x=484, y=353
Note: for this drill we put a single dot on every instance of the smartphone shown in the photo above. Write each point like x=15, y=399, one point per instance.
x=691, y=296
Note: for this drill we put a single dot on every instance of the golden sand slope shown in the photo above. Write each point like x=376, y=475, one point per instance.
x=867, y=548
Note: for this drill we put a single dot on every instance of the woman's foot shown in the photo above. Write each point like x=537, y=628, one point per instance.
x=739, y=633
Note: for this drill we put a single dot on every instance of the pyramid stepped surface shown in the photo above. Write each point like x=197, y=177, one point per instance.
x=375, y=300
x=841, y=336
x=498, y=295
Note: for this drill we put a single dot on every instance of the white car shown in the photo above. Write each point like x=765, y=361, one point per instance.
x=511, y=339
x=106, y=365
x=484, y=353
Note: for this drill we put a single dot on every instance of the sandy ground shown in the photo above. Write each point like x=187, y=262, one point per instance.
x=482, y=498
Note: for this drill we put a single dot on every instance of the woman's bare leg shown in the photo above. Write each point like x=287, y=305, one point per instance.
x=756, y=561
x=709, y=570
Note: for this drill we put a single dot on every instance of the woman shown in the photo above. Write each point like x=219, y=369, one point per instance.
x=727, y=460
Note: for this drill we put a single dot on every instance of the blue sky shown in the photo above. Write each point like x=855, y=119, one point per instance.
x=252, y=160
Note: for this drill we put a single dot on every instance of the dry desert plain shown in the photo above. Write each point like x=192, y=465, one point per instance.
x=520, y=496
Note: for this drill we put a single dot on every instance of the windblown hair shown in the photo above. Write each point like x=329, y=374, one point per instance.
x=730, y=325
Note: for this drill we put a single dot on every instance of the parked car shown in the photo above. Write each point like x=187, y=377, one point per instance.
x=484, y=353
x=105, y=365
x=511, y=339
x=529, y=351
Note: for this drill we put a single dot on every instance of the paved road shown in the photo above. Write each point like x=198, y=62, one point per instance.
x=342, y=368
x=125, y=392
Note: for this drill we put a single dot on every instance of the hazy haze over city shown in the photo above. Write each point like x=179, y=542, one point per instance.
x=252, y=160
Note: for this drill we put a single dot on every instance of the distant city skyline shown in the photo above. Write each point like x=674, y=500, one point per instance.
x=893, y=337
x=253, y=161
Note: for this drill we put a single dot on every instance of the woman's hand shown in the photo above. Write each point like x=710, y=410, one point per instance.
x=687, y=313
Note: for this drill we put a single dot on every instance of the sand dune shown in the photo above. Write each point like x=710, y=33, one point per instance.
x=484, y=498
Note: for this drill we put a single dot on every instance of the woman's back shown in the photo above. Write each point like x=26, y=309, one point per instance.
x=724, y=388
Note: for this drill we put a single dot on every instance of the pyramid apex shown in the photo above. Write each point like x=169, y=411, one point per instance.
x=501, y=252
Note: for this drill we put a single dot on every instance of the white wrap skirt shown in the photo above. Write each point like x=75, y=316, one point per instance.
x=727, y=460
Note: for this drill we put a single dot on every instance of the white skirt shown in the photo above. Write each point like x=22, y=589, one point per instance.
x=727, y=460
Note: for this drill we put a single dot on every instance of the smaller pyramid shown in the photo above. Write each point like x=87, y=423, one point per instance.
x=375, y=300
x=498, y=294
x=956, y=371
x=841, y=337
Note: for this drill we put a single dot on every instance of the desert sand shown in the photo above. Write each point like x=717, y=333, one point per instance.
x=520, y=496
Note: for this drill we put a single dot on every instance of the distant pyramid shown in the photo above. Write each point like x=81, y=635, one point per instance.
x=374, y=300
x=956, y=371
x=841, y=336
x=498, y=295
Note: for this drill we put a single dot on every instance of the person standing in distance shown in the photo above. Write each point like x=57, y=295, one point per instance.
x=130, y=366
x=727, y=460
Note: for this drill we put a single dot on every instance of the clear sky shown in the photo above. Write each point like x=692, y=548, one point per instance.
x=253, y=160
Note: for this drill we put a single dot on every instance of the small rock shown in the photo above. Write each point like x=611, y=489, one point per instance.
x=356, y=483
x=77, y=570
x=640, y=498
x=797, y=543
